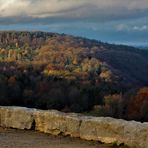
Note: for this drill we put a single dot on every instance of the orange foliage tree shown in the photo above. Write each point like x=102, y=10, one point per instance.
x=138, y=105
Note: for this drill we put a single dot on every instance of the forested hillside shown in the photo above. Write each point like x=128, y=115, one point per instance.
x=58, y=71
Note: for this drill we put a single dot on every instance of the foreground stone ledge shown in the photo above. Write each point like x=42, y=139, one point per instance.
x=56, y=123
x=16, y=117
x=104, y=129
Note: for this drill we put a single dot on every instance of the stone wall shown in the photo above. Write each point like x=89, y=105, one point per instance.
x=107, y=130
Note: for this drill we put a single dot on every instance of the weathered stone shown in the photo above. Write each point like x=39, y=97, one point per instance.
x=109, y=130
x=103, y=129
x=72, y=123
x=56, y=123
x=16, y=117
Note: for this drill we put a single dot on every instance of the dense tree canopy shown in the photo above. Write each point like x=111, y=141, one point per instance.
x=53, y=71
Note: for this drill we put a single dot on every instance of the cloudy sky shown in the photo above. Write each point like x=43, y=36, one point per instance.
x=115, y=21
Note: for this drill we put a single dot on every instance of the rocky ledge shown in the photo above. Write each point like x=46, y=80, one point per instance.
x=103, y=129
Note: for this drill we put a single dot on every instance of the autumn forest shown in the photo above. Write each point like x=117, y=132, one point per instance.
x=73, y=74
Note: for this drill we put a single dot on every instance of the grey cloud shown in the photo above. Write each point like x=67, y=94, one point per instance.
x=73, y=8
